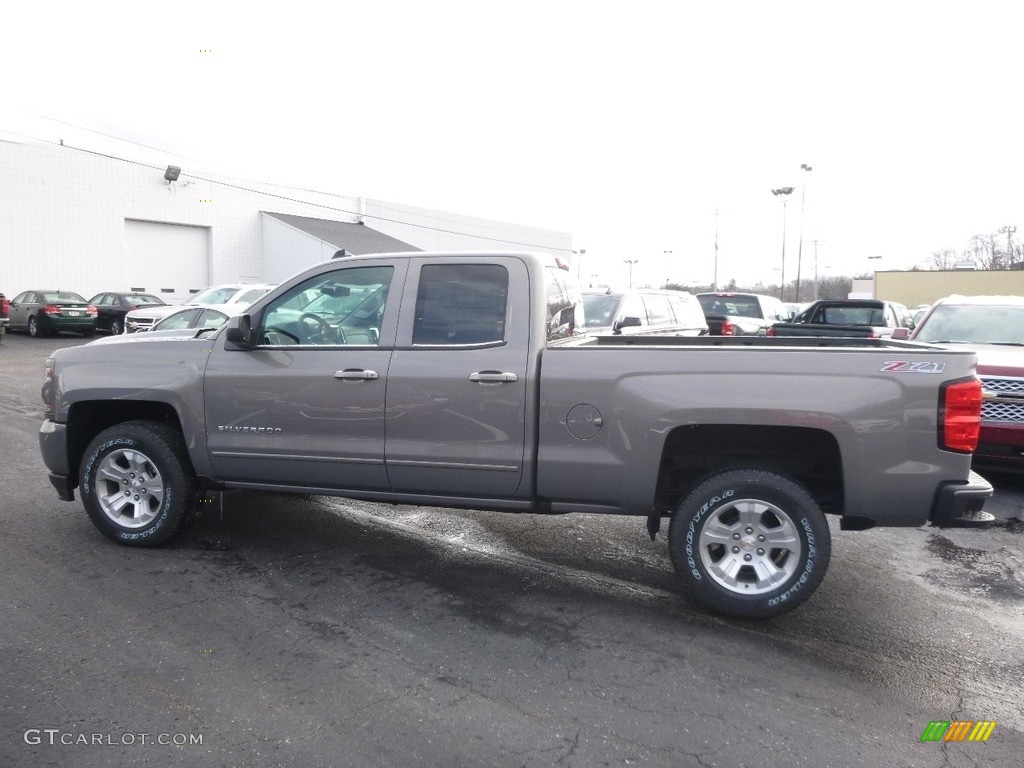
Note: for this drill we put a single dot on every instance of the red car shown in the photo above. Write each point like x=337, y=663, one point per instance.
x=5, y=308
x=993, y=327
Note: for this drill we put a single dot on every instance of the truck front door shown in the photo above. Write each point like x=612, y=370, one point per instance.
x=306, y=405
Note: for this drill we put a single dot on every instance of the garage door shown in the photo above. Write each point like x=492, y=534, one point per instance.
x=168, y=260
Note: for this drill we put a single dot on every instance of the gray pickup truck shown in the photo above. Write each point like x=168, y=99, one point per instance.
x=463, y=380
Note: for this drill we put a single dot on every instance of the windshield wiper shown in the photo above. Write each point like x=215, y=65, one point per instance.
x=1008, y=343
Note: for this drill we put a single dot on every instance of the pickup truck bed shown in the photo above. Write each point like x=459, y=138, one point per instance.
x=462, y=380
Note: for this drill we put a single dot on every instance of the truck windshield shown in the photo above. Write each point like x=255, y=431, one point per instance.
x=598, y=309
x=973, y=324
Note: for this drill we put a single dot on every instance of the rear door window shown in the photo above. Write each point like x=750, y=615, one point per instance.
x=633, y=306
x=461, y=304
x=658, y=310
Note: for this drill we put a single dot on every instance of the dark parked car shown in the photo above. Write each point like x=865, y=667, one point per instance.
x=114, y=305
x=42, y=313
x=870, y=318
x=675, y=313
x=993, y=327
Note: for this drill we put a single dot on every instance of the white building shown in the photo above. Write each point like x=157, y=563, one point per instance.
x=86, y=222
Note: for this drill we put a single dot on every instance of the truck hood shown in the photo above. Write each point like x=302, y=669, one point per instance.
x=995, y=359
x=178, y=334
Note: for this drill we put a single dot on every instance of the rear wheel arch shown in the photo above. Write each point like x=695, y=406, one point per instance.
x=809, y=456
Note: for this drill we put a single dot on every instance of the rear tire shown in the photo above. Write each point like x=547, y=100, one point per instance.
x=750, y=543
x=33, y=327
x=137, y=483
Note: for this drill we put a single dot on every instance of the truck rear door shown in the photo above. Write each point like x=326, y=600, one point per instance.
x=457, y=385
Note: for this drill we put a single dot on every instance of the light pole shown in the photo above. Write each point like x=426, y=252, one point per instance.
x=815, y=268
x=1008, y=230
x=668, y=278
x=784, y=193
x=714, y=287
x=579, y=263
x=631, y=262
x=800, y=249
x=874, y=281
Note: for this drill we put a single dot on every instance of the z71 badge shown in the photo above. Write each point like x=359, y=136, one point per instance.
x=904, y=366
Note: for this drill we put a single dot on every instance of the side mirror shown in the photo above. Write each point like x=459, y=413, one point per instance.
x=626, y=322
x=901, y=334
x=238, y=335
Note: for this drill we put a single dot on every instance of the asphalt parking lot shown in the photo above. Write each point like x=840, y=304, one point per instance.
x=301, y=630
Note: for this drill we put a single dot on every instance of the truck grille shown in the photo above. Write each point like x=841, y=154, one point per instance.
x=1009, y=402
x=139, y=324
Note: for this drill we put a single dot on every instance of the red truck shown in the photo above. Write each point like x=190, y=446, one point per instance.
x=993, y=328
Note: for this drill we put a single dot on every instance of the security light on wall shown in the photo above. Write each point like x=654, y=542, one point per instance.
x=172, y=173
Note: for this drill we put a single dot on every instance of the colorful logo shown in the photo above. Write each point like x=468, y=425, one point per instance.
x=958, y=730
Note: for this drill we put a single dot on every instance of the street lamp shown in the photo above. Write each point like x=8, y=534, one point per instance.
x=784, y=193
x=668, y=277
x=631, y=262
x=800, y=250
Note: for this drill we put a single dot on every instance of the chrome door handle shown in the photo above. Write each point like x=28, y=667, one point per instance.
x=356, y=374
x=492, y=377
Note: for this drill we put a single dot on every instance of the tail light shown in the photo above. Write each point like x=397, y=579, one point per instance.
x=91, y=310
x=960, y=415
x=728, y=329
x=5, y=306
x=771, y=331
x=51, y=309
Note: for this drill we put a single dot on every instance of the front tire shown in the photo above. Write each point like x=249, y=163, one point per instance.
x=750, y=543
x=116, y=328
x=137, y=483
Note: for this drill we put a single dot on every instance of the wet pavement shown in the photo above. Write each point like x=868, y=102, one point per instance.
x=316, y=631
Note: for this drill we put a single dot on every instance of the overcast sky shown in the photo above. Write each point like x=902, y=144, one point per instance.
x=625, y=124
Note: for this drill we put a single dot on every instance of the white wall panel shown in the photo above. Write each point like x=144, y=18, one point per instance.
x=287, y=250
x=168, y=260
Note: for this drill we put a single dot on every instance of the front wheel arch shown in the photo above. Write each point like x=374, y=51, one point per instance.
x=750, y=542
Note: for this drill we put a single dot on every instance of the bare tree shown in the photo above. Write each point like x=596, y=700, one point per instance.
x=944, y=259
x=834, y=287
x=986, y=251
